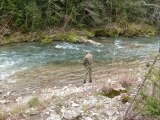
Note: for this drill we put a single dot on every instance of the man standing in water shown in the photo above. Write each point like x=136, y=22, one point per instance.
x=87, y=62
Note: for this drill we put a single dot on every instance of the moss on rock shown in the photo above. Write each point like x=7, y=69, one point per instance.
x=123, y=28
x=126, y=30
x=131, y=31
x=90, y=34
x=69, y=37
x=112, y=32
x=111, y=92
x=100, y=32
x=46, y=40
x=139, y=30
x=125, y=98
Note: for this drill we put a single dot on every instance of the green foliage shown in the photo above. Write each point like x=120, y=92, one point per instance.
x=30, y=15
x=33, y=102
x=110, y=32
x=100, y=32
x=153, y=107
x=46, y=40
x=69, y=37
x=125, y=98
x=149, y=95
x=90, y=34
x=111, y=92
x=33, y=16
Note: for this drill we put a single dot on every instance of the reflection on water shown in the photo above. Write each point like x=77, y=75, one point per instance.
x=20, y=56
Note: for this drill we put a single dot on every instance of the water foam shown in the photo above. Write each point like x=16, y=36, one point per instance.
x=67, y=46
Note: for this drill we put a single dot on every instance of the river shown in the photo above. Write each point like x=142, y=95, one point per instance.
x=20, y=56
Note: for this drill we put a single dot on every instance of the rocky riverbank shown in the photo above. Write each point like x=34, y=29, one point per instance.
x=77, y=36
x=58, y=93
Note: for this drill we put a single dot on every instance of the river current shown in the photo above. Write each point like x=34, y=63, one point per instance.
x=20, y=56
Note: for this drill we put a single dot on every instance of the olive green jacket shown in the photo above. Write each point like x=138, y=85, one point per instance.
x=88, y=59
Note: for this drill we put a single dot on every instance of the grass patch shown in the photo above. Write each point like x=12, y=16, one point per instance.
x=46, y=41
x=17, y=110
x=33, y=102
x=86, y=108
x=1, y=116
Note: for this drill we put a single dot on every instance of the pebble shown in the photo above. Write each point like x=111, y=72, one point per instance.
x=32, y=111
x=4, y=101
x=7, y=94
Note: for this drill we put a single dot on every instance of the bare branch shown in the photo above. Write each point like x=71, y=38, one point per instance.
x=141, y=86
x=146, y=4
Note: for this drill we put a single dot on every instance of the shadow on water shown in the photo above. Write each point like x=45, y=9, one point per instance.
x=21, y=56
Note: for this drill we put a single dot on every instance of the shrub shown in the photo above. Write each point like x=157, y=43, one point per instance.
x=17, y=110
x=126, y=81
x=90, y=34
x=153, y=107
x=125, y=98
x=100, y=32
x=46, y=40
x=33, y=102
x=69, y=37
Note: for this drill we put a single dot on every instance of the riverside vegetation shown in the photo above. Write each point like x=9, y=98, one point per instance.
x=32, y=20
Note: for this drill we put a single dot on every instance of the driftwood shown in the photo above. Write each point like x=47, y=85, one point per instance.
x=88, y=41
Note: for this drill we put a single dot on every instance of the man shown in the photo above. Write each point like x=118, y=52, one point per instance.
x=87, y=62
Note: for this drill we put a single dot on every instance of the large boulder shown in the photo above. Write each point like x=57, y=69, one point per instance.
x=112, y=89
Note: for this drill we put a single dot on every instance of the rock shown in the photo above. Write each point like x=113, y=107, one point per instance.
x=71, y=114
x=4, y=101
x=87, y=118
x=54, y=117
x=50, y=114
x=18, y=99
x=7, y=94
x=93, y=42
x=74, y=104
x=1, y=91
x=111, y=91
x=110, y=113
x=32, y=111
x=85, y=40
x=34, y=92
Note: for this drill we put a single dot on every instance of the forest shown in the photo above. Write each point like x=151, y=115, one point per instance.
x=31, y=15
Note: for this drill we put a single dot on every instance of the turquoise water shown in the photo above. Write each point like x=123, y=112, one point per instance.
x=20, y=56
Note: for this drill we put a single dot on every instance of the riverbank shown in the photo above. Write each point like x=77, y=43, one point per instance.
x=58, y=92
x=77, y=35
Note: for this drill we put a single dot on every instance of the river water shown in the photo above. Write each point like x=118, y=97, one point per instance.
x=20, y=56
